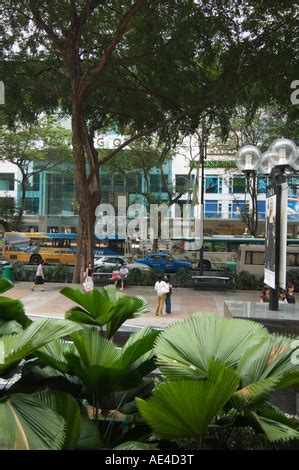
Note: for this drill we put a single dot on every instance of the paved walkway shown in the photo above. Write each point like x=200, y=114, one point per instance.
x=184, y=301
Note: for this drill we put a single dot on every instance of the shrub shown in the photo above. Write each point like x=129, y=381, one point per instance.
x=247, y=281
x=136, y=277
x=182, y=278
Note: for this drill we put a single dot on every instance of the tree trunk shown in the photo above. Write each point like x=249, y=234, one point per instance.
x=88, y=191
x=22, y=204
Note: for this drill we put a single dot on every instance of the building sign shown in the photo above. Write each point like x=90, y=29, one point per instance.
x=108, y=142
x=269, y=277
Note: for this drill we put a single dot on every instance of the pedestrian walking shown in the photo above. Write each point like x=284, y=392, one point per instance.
x=123, y=274
x=39, y=276
x=168, y=295
x=88, y=284
x=161, y=287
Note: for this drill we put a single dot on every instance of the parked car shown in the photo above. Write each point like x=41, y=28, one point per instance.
x=116, y=262
x=164, y=262
x=4, y=263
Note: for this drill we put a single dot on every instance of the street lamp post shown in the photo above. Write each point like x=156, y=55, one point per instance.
x=281, y=155
x=203, y=156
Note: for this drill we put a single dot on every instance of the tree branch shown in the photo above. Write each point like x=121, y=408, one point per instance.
x=91, y=75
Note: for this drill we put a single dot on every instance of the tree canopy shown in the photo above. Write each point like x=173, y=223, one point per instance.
x=140, y=67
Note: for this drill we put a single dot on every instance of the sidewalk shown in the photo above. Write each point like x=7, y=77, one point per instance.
x=184, y=301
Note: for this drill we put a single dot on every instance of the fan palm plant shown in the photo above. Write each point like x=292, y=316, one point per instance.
x=185, y=352
x=106, y=306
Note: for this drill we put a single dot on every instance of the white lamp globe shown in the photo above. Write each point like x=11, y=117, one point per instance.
x=266, y=166
x=295, y=164
x=248, y=158
x=285, y=152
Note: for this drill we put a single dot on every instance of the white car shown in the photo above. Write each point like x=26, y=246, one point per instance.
x=112, y=261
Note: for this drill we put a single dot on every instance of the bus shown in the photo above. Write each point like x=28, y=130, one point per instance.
x=234, y=252
x=252, y=258
x=53, y=248
x=219, y=251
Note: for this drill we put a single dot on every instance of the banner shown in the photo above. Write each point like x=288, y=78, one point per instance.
x=269, y=275
x=283, y=236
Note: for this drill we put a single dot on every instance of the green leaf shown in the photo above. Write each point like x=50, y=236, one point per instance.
x=26, y=423
x=275, y=430
x=138, y=344
x=135, y=445
x=54, y=354
x=270, y=358
x=185, y=349
x=89, y=438
x=66, y=406
x=5, y=285
x=186, y=408
x=254, y=394
x=106, y=306
x=37, y=334
x=9, y=327
x=124, y=309
x=12, y=309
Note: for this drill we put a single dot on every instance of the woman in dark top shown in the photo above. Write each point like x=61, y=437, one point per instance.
x=290, y=293
x=88, y=281
x=168, y=296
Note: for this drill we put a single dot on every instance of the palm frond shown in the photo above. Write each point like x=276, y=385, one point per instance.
x=9, y=327
x=275, y=430
x=184, y=350
x=12, y=309
x=26, y=423
x=37, y=334
x=202, y=401
x=137, y=346
x=135, y=445
x=270, y=358
x=5, y=285
x=53, y=354
x=66, y=406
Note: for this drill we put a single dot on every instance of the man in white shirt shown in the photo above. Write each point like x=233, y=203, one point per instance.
x=162, y=288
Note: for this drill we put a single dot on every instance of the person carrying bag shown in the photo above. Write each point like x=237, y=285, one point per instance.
x=88, y=284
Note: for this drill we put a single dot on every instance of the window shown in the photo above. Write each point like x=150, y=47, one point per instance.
x=238, y=185
x=261, y=185
x=293, y=259
x=157, y=258
x=220, y=185
x=154, y=183
x=32, y=205
x=255, y=257
x=7, y=181
x=220, y=209
x=34, y=183
x=212, y=184
x=261, y=205
x=182, y=182
x=211, y=209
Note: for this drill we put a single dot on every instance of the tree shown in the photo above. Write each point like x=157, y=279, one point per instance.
x=34, y=149
x=8, y=213
x=136, y=166
x=140, y=67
